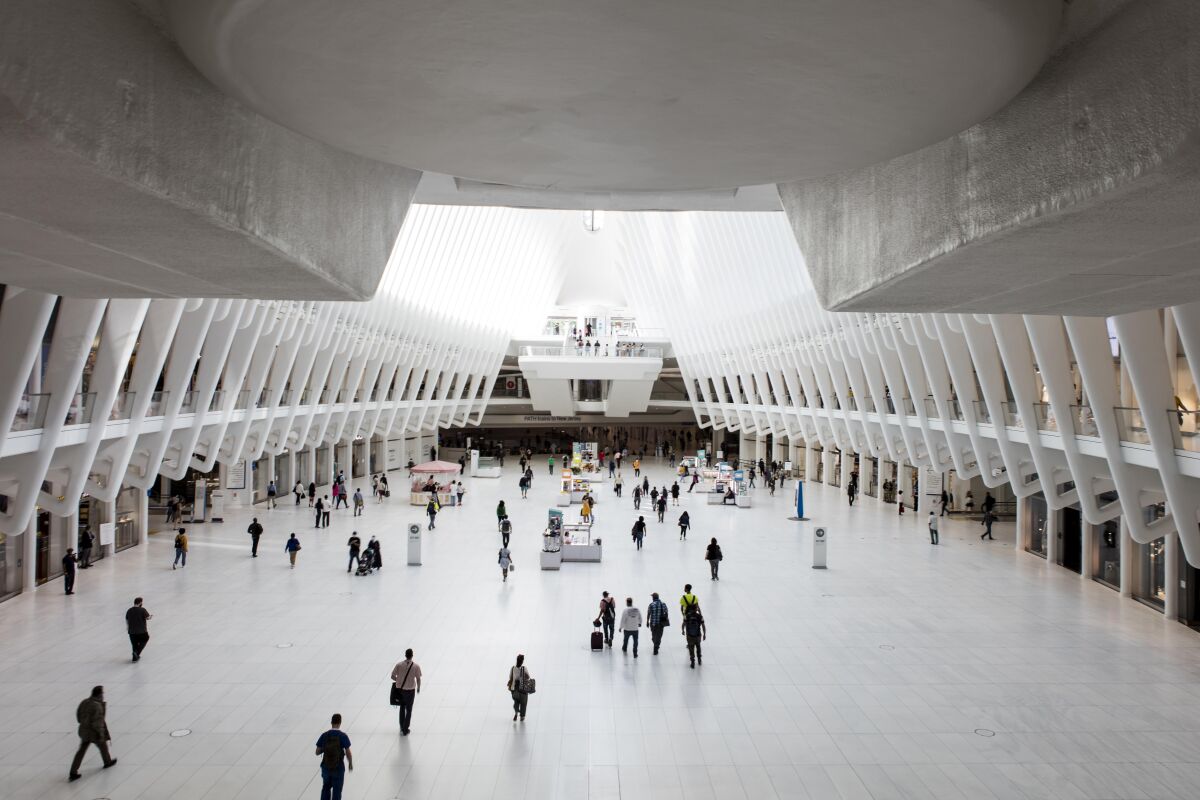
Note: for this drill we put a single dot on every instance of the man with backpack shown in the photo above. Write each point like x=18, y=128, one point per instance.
x=694, y=632
x=333, y=747
x=607, y=616
x=656, y=620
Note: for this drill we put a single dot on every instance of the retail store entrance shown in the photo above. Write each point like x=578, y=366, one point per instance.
x=1071, y=540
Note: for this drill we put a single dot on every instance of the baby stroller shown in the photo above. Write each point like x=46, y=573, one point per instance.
x=366, y=562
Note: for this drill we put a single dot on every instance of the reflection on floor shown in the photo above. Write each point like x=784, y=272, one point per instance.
x=903, y=671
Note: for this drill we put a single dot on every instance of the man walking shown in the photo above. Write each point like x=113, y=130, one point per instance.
x=945, y=499
x=68, y=563
x=550, y=461
x=272, y=491
x=135, y=623
x=406, y=677
x=358, y=502
x=320, y=508
x=933, y=528
x=291, y=547
x=988, y=518
x=92, y=730
x=181, y=548
x=688, y=600
x=86, y=540
x=607, y=616
x=354, y=543
x=333, y=747
x=694, y=632
x=326, y=510
x=639, y=531
x=631, y=622
x=656, y=620
x=255, y=530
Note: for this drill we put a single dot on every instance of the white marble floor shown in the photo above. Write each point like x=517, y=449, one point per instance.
x=868, y=680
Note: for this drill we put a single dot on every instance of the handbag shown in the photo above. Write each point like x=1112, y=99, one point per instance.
x=395, y=695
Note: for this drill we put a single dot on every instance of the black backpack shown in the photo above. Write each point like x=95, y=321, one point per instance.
x=333, y=752
x=692, y=624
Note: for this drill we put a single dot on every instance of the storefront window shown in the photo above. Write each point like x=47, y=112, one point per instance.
x=1038, y=515
x=10, y=573
x=127, y=518
x=1151, y=583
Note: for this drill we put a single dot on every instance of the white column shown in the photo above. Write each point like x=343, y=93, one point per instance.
x=1171, y=584
x=904, y=483
x=29, y=562
x=1088, y=532
x=310, y=466
x=778, y=449
x=810, y=463
x=847, y=467
x=271, y=474
x=110, y=515
x=1052, y=536
x=1126, y=560
x=143, y=516
x=1021, y=532
x=760, y=448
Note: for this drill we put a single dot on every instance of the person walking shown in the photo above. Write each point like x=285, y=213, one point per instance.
x=86, y=540
x=695, y=480
x=656, y=620
x=617, y=484
x=694, y=632
x=272, y=492
x=135, y=624
x=687, y=600
x=181, y=548
x=320, y=509
x=68, y=562
x=291, y=547
x=970, y=502
x=406, y=678
x=989, y=502
x=504, y=558
x=851, y=491
x=255, y=530
x=645, y=486
x=312, y=493
x=355, y=545
x=326, y=510
x=662, y=506
x=933, y=528
x=333, y=747
x=460, y=491
x=607, y=617
x=752, y=477
x=988, y=518
x=523, y=485
x=585, y=509
x=298, y=491
x=93, y=729
x=550, y=463
x=358, y=502
x=377, y=550
x=639, y=531
x=637, y=468
x=900, y=504
x=637, y=497
x=612, y=468
x=631, y=624
x=654, y=498
x=501, y=513
x=712, y=554
x=520, y=686
x=685, y=522
x=431, y=511
x=945, y=499
x=336, y=490
x=675, y=493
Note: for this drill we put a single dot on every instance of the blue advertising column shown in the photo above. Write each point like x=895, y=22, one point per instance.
x=799, y=502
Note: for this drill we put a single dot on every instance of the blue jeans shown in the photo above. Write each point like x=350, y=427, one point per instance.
x=180, y=553
x=630, y=635
x=331, y=783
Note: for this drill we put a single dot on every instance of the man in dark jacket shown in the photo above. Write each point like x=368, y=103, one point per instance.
x=92, y=730
x=86, y=540
x=255, y=530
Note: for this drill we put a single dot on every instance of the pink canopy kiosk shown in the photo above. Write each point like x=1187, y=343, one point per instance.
x=432, y=470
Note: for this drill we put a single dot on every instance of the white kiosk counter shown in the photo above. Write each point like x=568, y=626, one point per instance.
x=578, y=543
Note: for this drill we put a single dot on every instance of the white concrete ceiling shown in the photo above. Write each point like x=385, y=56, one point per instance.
x=621, y=95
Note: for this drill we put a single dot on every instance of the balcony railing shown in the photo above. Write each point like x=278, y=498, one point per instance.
x=1185, y=426
x=122, y=407
x=157, y=406
x=1043, y=417
x=982, y=415
x=1131, y=426
x=31, y=412
x=1012, y=419
x=81, y=409
x=1083, y=421
x=640, y=351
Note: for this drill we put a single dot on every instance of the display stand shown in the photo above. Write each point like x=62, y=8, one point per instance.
x=564, y=490
x=551, y=555
x=578, y=544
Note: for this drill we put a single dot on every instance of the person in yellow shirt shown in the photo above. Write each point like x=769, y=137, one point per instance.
x=688, y=599
x=181, y=548
x=637, y=467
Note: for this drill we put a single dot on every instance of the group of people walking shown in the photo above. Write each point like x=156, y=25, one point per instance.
x=657, y=619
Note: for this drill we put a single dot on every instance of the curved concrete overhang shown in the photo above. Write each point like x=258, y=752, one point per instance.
x=124, y=172
x=1078, y=198
x=622, y=95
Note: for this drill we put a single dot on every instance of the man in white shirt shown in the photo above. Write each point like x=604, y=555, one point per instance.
x=406, y=676
x=631, y=620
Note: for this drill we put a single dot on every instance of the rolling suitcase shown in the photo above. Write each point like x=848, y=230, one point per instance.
x=597, y=637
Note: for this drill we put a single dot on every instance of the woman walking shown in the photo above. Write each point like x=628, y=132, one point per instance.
x=520, y=686
x=712, y=555
x=292, y=546
x=586, y=509
x=505, y=560
x=501, y=514
x=685, y=522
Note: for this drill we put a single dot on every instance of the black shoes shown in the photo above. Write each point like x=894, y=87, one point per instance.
x=111, y=763
x=72, y=778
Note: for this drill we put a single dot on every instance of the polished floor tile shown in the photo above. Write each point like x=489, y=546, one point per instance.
x=878, y=678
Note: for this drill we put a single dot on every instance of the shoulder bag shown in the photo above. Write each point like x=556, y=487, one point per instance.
x=395, y=698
